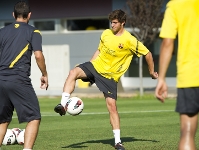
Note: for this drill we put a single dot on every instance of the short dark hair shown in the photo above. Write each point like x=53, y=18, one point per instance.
x=21, y=9
x=118, y=14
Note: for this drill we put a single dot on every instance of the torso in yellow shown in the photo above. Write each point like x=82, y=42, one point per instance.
x=182, y=18
x=116, y=53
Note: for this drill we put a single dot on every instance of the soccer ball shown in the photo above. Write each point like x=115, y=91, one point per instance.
x=16, y=131
x=74, y=106
x=20, y=137
x=9, y=138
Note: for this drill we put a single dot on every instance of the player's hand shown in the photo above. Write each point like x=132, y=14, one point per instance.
x=161, y=90
x=154, y=75
x=44, y=82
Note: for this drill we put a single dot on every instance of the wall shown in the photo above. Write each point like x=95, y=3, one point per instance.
x=82, y=44
x=57, y=64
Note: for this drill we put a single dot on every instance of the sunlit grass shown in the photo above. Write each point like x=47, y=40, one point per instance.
x=146, y=124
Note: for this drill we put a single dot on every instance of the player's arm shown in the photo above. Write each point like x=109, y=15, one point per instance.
x=149, y=60
x=42, y=66
x=37, y=48
x=166, y=51
x=97, y=52
x=41, y=62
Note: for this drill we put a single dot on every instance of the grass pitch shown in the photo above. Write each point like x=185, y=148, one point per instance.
x=146, y=124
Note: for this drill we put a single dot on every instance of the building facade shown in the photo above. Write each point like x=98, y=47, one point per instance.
x=79, y=24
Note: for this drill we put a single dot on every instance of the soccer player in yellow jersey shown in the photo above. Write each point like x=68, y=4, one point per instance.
x=116, y=49
x=182, y=18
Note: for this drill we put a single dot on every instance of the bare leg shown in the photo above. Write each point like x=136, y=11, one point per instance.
x=74, y=74
x=3, y=129
x=188, y=128
x=31, y=132
x=114, y=119
x=114, y=116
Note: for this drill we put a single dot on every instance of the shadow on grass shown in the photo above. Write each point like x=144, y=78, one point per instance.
x=107, y=141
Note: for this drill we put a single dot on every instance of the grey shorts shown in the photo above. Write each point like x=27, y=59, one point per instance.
x=188, y=100
x=107, y=86
x=20, y=97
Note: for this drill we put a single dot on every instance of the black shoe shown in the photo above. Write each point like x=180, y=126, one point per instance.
x=119, y=146
x=60, y=109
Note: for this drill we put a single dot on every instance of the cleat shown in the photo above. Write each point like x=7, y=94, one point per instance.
x=119, y=146
x=60, y=109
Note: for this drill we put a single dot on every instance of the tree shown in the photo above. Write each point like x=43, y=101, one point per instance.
x=145, y=18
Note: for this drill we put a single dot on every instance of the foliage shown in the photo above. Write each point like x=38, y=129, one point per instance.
x=145, y=18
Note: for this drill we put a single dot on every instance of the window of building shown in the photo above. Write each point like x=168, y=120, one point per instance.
x=87, y=24
x=45, y=25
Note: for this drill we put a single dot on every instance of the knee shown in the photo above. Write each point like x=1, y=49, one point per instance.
x=111, y=104
x=72, y=74
x=188, y=130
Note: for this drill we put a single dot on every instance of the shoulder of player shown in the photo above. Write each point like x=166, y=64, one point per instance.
x=33, y=29
x=107, y=31
x=128, y=35
x=37, y=31
x=173, y=3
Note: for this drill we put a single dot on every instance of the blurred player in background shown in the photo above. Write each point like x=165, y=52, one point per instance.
x=17, y=43
x=182, y=18
x=113, y=57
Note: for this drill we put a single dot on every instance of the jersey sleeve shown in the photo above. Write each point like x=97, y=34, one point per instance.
x=36, y=41
x=137, y=47
x=169, y=24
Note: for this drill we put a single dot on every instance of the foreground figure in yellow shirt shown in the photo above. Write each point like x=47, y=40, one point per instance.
x=116, y=49
x=182, y=18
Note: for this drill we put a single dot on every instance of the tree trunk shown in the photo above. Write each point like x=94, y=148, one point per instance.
x=141, y=75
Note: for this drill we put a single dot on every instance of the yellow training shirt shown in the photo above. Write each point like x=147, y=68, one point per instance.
x=182, y=18
x=116, y=53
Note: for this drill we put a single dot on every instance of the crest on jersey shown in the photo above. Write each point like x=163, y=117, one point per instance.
x=121, y=45
x=16, y=25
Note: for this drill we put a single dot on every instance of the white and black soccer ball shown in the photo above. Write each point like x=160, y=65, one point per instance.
x=16, y=131
x=74, y=106
x=9, y=137
x=20, y=137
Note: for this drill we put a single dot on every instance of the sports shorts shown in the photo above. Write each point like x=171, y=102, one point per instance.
x=107, y=86
x=187, y=100
x=20, y=97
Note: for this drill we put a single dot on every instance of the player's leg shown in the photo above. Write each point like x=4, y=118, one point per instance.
x=74, y=74
x=6, y=110
x=26, y=103
x=31, y=132
x=114, y=120
x=112, y=108
x=3, y=129
x=188, y=107
x=188, y=128
x=69, y=86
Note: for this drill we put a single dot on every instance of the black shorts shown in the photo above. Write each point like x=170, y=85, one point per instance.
x=107, y=86
x=188, y=100
x=20, y=97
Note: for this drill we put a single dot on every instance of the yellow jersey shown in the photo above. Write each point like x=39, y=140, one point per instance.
x=116, y=53
x=182, y=18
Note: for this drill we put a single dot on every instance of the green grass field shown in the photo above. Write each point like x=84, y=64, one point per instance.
x=146, y=124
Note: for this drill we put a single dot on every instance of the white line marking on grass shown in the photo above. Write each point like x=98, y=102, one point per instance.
x=47, y=114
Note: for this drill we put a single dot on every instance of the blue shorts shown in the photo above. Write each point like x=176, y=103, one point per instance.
x=20, y=97
x=107, y=86
x=187, y=100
